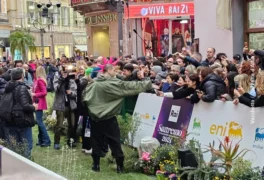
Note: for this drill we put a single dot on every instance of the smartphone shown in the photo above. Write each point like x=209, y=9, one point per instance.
x=236, y=85
x=36, y=100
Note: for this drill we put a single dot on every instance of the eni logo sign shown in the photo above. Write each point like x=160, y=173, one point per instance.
x=232, y=130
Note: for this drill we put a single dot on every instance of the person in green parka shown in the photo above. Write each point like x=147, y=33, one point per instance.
x=104, y=98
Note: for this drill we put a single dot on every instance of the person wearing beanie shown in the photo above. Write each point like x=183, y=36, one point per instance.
x=20, y=128
x=237, y=59
x=155, y=75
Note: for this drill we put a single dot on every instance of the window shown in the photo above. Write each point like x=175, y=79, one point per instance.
x=31, y=5
x=32, y=17
x=66, y=17
x=44, y=20
x=55, y=15
x=254, y=23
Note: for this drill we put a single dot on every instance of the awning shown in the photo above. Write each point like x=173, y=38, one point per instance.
x=81, y=47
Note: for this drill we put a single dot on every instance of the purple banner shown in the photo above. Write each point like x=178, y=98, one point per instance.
x=174, y=115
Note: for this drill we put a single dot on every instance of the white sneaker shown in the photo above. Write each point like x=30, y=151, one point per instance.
x=88, y=151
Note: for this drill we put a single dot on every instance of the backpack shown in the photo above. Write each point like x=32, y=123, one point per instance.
x=10, y=110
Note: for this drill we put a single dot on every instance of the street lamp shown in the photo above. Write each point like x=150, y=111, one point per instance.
x=44, y=13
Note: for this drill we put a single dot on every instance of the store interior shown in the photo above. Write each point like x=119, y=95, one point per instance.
x=157, y=35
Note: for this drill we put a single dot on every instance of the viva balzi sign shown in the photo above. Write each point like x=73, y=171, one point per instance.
x=103, y=18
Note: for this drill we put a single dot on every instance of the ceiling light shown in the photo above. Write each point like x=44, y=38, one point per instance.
x=184, y=21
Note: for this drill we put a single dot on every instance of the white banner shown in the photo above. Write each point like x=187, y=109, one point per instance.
x=213, y=121
x=147, y=108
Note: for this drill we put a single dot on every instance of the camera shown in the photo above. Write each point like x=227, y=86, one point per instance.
x=70, y=70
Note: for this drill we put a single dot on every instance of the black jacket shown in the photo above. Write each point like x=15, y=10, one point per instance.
x=2, y=85
x=252, y=102
x=213, y=87
x=183, y=92
x=81, y=85
x=22, y=97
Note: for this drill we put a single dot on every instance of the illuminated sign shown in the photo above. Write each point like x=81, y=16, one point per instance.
x=160, y=10
x=104, y=18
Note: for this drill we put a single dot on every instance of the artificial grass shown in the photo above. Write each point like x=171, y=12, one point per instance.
x=73, y=164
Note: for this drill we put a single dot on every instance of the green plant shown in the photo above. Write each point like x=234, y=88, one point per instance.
x=242, y=169
x=18, y=147
x=128, y=126
x=164, y=152
x=21, y=40
x=229, y=154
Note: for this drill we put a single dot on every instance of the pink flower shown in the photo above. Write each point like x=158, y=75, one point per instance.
x=159, y=172
x=172, y=176
x=145, y=156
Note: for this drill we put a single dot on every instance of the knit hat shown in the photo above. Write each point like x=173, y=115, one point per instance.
x=156, y=69
x=17, y=74
x=88, y=71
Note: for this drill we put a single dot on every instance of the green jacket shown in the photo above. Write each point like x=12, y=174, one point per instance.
x=104, y=96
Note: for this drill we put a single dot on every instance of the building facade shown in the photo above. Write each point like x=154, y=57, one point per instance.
x=161, y=27
x=101, y=26
x=64, y=30
x=5, y=28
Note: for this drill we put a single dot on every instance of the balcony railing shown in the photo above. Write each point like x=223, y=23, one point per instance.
x=79, y=2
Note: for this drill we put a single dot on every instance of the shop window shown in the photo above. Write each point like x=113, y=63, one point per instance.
x=256, y=14
x=256, y=40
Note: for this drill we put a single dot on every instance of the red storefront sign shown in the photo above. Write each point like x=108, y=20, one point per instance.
x=160, y=10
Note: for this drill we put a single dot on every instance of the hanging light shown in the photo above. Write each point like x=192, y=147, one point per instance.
x=49, y=4
x=58, y=4
x=39, y=5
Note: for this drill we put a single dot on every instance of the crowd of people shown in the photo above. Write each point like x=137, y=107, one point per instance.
x=90, y=91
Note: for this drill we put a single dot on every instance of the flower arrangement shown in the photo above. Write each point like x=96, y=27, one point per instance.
x=145, y=163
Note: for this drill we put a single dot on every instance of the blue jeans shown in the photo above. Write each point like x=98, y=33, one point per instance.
x=43, y=137
x=22, y=135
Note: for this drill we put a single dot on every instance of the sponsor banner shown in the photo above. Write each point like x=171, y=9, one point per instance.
x=163, y=119
x=174, y=116
x=159, y=10
x=211, y=122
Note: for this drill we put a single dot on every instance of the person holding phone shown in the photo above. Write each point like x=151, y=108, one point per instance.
x=39, y=97
x=243, y=85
